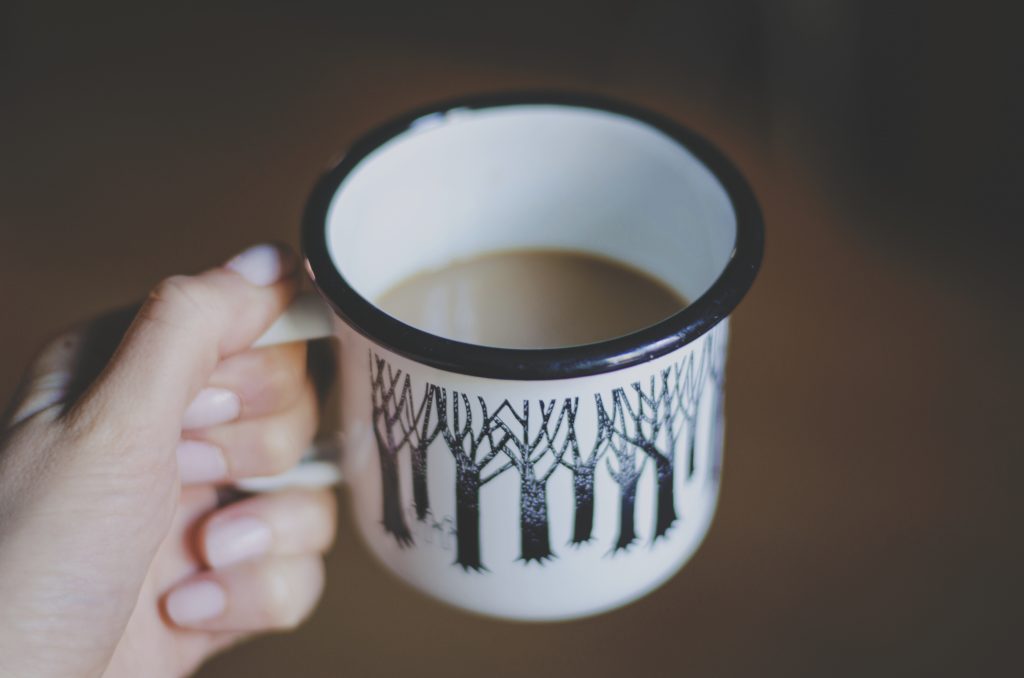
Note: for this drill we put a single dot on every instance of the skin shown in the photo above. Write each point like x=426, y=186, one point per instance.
x=97, y=528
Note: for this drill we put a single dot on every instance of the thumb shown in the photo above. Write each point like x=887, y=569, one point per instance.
x=185, y=327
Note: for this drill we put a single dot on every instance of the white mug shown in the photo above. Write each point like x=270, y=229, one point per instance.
x=530, y=484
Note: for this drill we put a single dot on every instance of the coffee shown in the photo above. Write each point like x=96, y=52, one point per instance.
x=531, y=299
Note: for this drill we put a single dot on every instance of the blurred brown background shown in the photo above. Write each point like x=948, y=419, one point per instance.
x=870, y=516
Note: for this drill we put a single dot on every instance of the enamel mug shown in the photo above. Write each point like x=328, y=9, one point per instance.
x=529, y=484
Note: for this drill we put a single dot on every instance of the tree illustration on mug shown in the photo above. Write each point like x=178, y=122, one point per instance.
x=583, y=472
x=529, y=449
x=625, y=470
x=648, y=422
x=690, y=383
x=473, y=449
x=391, y=393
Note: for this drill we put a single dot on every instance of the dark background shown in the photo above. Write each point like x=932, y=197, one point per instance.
x=870, y=517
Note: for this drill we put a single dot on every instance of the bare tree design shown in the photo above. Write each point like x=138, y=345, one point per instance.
x=416, y=427
x=527, y=452
x=625, y=471
x=690, y=383
x=583, y=471
x=391, y=393
x=654, y=419
x=472, y=450
x=648, y=422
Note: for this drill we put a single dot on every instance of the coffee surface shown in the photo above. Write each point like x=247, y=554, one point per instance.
x=531, y=299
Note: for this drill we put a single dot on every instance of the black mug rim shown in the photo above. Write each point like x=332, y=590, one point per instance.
x=664, y=337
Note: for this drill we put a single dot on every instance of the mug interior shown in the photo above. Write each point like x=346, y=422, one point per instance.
x=468, y=181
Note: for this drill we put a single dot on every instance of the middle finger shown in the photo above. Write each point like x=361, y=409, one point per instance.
x=289, y=522
x=251, y=384
x=253, y=447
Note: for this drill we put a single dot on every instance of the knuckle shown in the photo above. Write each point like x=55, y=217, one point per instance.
x=281, y=448
x=329, y=507
x=328, y=503
x=281, y=604
x=58, y=349
x=175, y=289
x=277, y=607
x=316, y=511
x=288, y=360
x=176, y=298
x=280, y=380
x=309, y=413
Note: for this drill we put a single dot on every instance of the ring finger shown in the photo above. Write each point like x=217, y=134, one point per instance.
x=289, y=522
x=262, y=595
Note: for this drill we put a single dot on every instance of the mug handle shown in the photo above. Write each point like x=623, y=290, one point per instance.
x=306, y=318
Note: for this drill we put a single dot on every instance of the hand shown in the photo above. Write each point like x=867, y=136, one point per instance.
x=115, y=557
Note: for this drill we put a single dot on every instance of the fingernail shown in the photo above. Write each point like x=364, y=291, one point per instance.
x=261, y=265
x=232, y=541
x=212, y=406
x=196, y=602
x=200, y=462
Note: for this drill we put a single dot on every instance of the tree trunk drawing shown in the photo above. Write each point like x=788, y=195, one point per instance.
x=666, y=498
x=467, y=519
x=627, y=510
x=422, y=435
x=583, y=473
x=583, y=492
x=691, y=465
x=420, y=498
x=394, y=521
x=718, y=424
x=533, y=519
